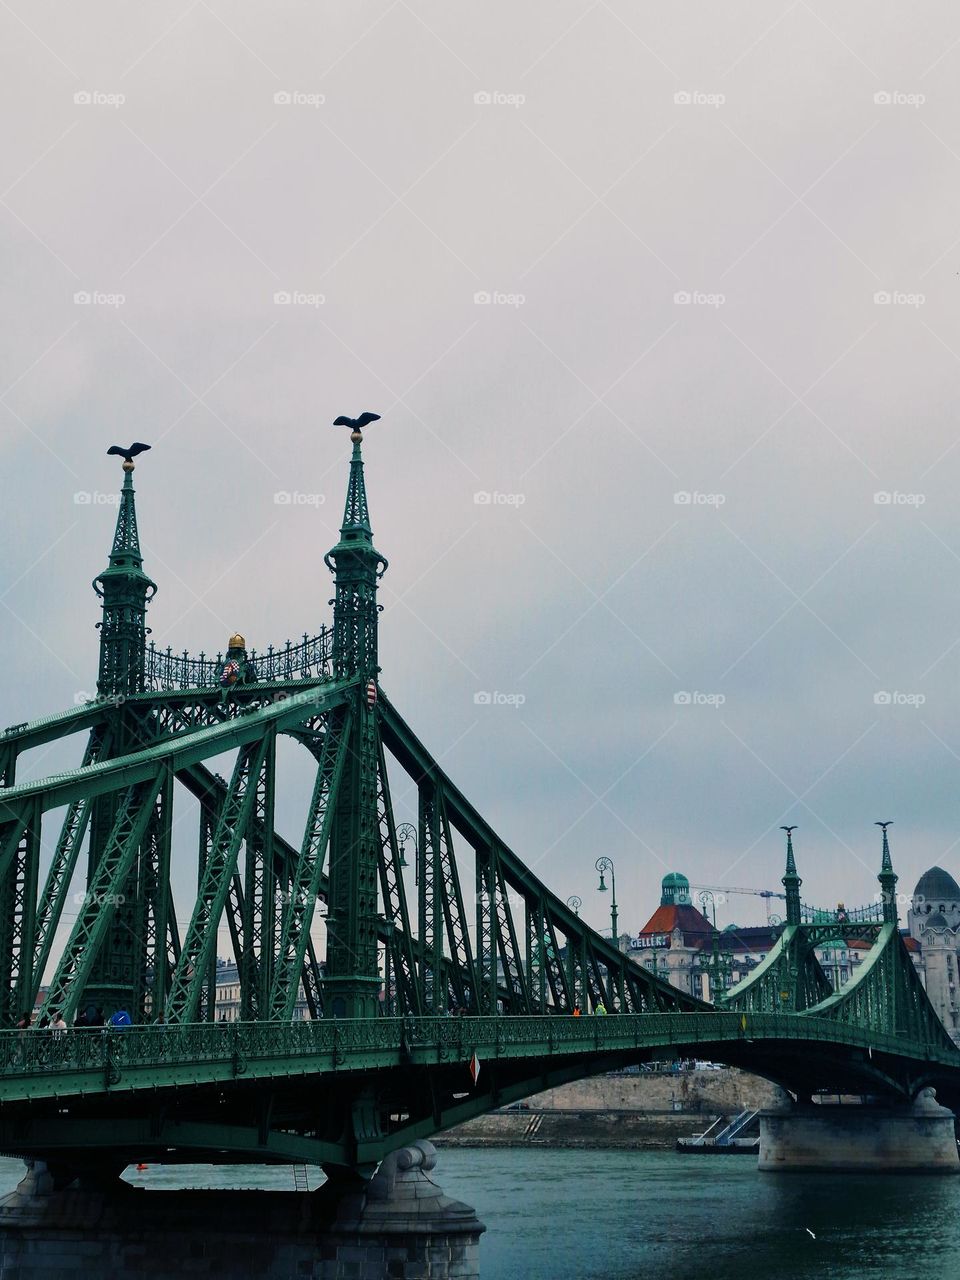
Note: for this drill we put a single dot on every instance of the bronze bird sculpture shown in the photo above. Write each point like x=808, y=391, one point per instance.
x=127, y=454
x=356, y=425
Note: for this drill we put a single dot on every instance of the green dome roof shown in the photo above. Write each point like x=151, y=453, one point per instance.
x=674, y=890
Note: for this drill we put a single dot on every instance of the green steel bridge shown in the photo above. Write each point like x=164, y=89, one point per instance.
x=421, y=1015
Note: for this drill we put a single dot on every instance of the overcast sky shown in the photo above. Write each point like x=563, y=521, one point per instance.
x=588, y=260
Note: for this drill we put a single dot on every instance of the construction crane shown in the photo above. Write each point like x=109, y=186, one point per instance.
x=767, y=894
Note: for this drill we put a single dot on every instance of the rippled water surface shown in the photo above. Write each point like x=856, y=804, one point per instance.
x=615, y=1215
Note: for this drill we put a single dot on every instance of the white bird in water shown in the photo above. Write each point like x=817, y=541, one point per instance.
x=809, y=1233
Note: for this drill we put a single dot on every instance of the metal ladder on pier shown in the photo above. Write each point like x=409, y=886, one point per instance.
x=735, y=1128
x=702, y=1139
x=300, y=1180
x=722, y=1133
x=534, y=1126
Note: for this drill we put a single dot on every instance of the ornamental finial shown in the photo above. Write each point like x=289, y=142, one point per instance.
x=129, y=453
x=356, y=425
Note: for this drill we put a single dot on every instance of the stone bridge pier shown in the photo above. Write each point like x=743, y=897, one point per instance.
x=399, y=1224
x=913, y=1138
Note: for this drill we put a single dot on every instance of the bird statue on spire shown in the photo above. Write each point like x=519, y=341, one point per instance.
x=356, y=425
x=129, y=453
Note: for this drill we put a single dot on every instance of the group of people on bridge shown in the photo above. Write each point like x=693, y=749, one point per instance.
x=91, y=1017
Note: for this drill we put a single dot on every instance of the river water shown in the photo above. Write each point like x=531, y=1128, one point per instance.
x=618, y=1215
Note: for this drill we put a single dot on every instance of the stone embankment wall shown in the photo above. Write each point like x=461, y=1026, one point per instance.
x=701, y=1091
x=633, y=1111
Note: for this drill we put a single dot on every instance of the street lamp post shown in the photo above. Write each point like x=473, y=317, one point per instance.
x=718, y=970
x=575, y=902
x=604, y=865
x=707, y=898
x=406, y=831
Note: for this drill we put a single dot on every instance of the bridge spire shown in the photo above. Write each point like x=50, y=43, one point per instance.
x=125, y=591
x=888, y=878
x=352, y=981
x=357, y=567
x=791, y=881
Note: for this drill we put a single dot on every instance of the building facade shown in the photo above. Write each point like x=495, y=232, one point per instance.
x=228, y=995
x=933, y=938
x=680, y=944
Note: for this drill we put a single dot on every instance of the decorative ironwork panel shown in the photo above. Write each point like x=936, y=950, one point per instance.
x=308, y=660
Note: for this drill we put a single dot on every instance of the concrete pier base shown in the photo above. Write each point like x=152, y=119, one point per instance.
x=910, y=1139
x=400, y=1225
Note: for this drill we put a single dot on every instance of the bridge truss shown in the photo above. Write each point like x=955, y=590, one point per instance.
x=477, y=962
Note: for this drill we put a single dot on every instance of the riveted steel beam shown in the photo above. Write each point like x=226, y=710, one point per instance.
x=303, y=886
x=200, y=942
x=104, y=894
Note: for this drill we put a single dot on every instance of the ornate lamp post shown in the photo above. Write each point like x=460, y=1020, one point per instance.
x=717, y=968
x=406, y=831
x=575, y=902
x=604, y=865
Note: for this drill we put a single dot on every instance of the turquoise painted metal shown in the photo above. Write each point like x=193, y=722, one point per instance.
x=411, y=987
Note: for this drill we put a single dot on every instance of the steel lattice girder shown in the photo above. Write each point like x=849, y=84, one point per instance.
x=608, y=964
x=104, y=894
x=200, y=941
x=789, y=979
x=63, y=864
x=18, y=901
x=211, y=791
x=887, y=995
x=399, y=943
x=178, y=752
x=306, y=874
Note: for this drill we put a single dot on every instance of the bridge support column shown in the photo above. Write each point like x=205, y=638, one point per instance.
x=400, y=1224
x=917, y=1138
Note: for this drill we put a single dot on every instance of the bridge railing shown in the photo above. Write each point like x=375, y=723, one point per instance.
x=47, y=1059
x=872, y=914
x=165, y=670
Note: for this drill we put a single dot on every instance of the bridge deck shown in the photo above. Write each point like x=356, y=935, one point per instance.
x=38, y=1064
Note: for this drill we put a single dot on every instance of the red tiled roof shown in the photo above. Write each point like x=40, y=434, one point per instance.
x=684, y=917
